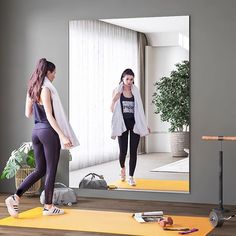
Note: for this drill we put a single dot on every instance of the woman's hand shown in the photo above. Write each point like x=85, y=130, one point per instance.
x=116, y=97
x=149, y=130
x=66, y=141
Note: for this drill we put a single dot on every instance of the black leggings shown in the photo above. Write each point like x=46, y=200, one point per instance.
x=46, y=145
x=123, y=144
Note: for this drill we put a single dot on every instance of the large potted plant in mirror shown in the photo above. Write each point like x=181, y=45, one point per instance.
x=172, y=101
x=20, y=164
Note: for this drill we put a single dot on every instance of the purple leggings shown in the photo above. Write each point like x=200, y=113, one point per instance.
x=47, y=147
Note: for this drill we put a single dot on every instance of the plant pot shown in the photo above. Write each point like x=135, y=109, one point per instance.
x=178, y=142
x=21, y=174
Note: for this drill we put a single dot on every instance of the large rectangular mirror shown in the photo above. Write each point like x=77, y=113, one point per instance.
x=157, y=51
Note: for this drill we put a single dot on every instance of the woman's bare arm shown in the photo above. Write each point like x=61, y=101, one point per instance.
x=28, y=106
x=46, y=100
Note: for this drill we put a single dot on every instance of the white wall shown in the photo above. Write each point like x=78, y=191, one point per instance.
x=166, y=38
x=159, y=62
x=163, y=39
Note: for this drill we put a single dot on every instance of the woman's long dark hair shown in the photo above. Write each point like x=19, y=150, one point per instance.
x=126, y=72
x=37, y=78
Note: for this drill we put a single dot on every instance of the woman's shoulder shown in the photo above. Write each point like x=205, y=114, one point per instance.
x=45, y=91
x=134, y=88
x=45, y=88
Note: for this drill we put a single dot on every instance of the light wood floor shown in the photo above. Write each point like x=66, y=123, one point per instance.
x=228, y=229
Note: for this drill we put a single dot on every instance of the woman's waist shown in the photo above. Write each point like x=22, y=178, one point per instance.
x=129, y=120
x=42, y=125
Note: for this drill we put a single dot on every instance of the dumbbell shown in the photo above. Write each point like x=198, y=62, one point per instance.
x=163, y=222
x=217, y=219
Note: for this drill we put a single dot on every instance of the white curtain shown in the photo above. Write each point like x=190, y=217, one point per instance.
x=98, y=53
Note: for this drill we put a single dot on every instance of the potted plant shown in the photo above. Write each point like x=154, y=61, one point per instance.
x=172, y=100
x=20, y=164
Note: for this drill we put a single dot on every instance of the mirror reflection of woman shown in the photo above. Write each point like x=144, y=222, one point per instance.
x=51, y=132
x=128, y=119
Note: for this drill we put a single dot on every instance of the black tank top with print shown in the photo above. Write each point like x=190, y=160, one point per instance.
x=127, y=106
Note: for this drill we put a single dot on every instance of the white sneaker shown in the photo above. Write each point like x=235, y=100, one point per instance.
x=53, y=211
x=122, y=174
x=12, y=206
x=131, y=181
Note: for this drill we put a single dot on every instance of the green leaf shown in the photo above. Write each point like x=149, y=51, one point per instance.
x=171, y=97
x=3, y=175
x=30, y=159
x=24, y=155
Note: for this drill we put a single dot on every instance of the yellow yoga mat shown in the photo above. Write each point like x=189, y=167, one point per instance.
x=103, y=222
x=151, y=184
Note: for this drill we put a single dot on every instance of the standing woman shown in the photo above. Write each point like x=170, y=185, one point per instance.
x=50, y=132
x=128, y=118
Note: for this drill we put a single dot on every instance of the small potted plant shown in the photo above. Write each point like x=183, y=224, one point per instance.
x=20, y=164
x=172, y=100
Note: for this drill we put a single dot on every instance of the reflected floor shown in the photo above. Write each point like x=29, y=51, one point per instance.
x=145, y=163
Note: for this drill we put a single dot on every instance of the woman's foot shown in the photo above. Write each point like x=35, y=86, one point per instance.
x=52, y=211
x=12, y=203
x=131, y=181
x=122, y=174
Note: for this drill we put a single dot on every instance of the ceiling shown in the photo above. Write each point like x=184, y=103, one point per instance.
x=153, y=24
